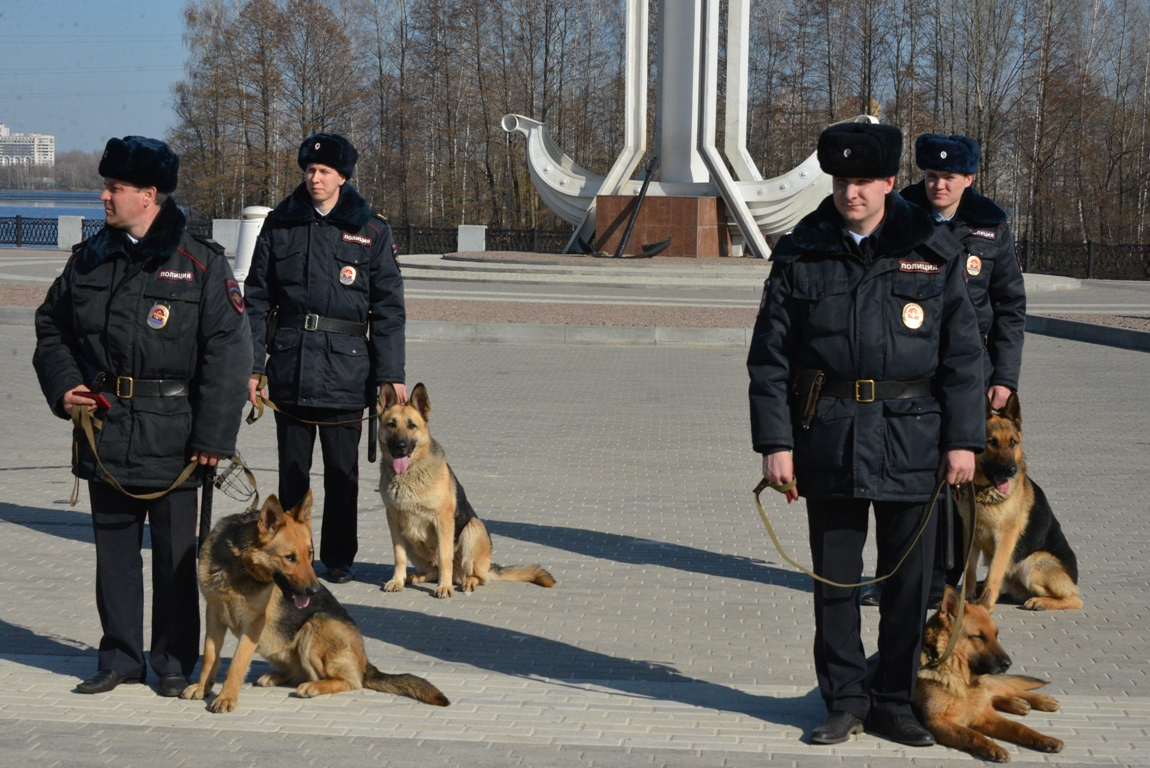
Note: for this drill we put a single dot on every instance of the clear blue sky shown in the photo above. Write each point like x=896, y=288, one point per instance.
x=85, y=71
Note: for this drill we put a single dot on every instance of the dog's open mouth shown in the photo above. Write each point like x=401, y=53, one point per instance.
x=401, y=464
x=1003, y=487
x=301, y=601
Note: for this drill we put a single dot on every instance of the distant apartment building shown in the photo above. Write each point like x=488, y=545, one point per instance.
x=26, y=148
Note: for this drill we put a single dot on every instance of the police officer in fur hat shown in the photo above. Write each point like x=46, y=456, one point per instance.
x=993, y=278
x=866, y=387
x=146, y=326
x=323, y=275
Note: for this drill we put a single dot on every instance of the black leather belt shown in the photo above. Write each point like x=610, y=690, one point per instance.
x=125, y=387
x=868, y=390
x=317, y=323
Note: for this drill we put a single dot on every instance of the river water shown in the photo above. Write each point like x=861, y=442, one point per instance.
x=50, y=204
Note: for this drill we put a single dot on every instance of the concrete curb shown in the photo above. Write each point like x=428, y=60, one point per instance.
x=541, y=333
x=1091, y=333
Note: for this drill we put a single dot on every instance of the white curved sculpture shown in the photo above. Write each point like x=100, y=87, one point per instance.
x=251, y=222
x=757, y=208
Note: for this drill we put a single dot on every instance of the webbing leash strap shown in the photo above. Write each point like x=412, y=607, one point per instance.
x=257, y=411
x=969, y=495
x=83, y=422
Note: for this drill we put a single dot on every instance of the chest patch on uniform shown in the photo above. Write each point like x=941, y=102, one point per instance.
x=973, y=265
x=985, y=234
x=350, y=238
x=236, y=296
x=922, y=267
x=171, y=274
x=158, y=317
x=912, y=316
x=347, y=275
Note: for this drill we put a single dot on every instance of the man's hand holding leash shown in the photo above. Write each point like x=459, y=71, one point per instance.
x=957, y=467
x=779, y=470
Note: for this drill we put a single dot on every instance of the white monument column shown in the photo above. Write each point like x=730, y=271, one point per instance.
x=677, y=121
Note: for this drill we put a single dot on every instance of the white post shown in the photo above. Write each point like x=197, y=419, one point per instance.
x=472, y=238
x=69, y=231
x=738, y=60
x=226, y=232
x=677, y=122
x=251, y=222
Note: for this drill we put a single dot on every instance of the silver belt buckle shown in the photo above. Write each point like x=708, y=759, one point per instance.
x=311, y=322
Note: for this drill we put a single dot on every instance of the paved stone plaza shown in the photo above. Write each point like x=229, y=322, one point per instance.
x=675, y=636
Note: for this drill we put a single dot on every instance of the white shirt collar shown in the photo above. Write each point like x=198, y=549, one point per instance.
x=939, y=217
x=857, y=237
x=134, y=240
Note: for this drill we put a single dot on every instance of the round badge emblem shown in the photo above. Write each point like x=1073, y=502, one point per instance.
x=347, y=275
x=912, y=316
x=158, y=317
x=973, y=265
x=317, y=145
x=942, y=154
x=846, y=153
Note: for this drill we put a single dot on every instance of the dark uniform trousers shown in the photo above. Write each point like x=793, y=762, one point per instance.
x=838, y=532
x=118, y=522
x=339, y=540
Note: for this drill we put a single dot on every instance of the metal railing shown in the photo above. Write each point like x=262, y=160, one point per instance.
x=534, y=240
x=22, y=230
x=410, y=238
x=90, y=227
x=1090, y=260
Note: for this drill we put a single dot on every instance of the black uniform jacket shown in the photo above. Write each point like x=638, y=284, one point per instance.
x=993, y=278
x=824, y=309
x=165, y=308
x=340, y=266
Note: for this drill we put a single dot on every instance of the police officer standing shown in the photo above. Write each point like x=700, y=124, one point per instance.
x=323, y=274
x=866, y=380
x=146, y=318
x=993, y=278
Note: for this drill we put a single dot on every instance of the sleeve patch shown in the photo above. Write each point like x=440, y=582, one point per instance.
x=236, y=296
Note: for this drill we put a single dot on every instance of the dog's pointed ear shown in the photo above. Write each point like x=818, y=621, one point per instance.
x=1013, y=410
x=302, y=512
x=421, y=401
x=949, y=605
x=989, y=408
x=271, y=517
x=387, y=396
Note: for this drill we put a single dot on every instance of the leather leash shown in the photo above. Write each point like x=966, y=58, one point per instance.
x=257, y=411
x=83, y=422
x=973, y=509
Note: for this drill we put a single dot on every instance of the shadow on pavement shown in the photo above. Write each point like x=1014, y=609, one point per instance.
x=513, y=653
x=636, y=551
x=51, y=653
x=65, y=523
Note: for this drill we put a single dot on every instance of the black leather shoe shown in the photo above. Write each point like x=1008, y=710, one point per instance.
x=904, y=729
x=104, y=681
x=872, y=594
x=173, y=684
x=836, y=728
x=341, y=574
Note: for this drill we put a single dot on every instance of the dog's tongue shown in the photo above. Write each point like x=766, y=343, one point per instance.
x=401, y=464
x=1003, y=487
x=301, y=601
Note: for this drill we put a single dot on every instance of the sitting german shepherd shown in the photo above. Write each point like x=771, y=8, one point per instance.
x=428, y=513
x=1029, y=557
x=256, y=575
x=957, y=700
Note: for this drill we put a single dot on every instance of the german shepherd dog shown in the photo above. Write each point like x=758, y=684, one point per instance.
x=957, y=700
x=256, y=575
x=1029, y=557
x=428, y=513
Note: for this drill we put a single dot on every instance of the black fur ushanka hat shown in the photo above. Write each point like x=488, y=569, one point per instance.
x=141, y=161
x=860, y=150
x=329, y=149
x=950, y=154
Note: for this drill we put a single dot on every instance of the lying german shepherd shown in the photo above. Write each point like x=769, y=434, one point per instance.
x=428, y=513
x=1017, y=533
x=957, y=700
x=256, y=575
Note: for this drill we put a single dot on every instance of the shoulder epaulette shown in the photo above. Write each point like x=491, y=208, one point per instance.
x=381, y=217
x=79, y=245
x=208, y=242
x=943, y=244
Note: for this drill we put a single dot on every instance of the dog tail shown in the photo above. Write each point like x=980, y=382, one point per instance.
x=534, y=573
x=404, y=685
x=1024, y=682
